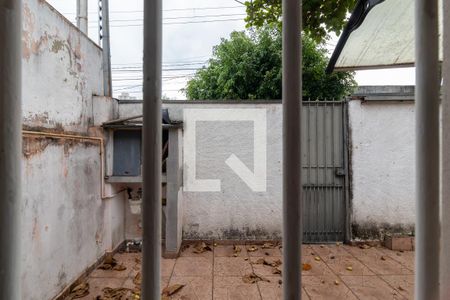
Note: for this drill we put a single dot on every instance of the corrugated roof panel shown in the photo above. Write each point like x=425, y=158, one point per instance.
x=384, y=39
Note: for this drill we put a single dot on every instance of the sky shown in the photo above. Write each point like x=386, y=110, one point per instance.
x=191, y=30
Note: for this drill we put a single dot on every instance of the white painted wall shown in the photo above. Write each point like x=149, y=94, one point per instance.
x=66, y=225
x=381, y=156
x=382, y=163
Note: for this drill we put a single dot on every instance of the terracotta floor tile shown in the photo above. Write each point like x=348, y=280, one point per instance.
x=264, y=270
x=318, y=268
x=193, y=266
x=370, y=287
x=348, y=265
x=167, y=266
x=325, y=287
x=233, y=288
x=404, y=284
x=188, y=251
x=405, y=258
x=384, y=265
x=273, y=251
x=99, y=273
x=195, y=288
x=96, y=285
x=327, y=252
x=358, y=251
x=228, y=251
x=231, y=266
x=129, y=284
x=273, y=290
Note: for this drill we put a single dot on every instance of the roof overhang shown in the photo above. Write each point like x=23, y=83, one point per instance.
x=379, y=34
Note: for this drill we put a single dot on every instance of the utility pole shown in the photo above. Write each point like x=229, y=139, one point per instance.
x=82, y=15
x=106, y=45
x=10, y=147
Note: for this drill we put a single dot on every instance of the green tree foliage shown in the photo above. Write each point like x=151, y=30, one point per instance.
x=320, y=17
x=248, y=66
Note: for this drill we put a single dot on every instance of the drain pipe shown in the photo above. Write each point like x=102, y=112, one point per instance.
x=427, y=150
x=151, y=141
x=82, y=15
x=10, y=147
x=106, y=46
x=292, y=183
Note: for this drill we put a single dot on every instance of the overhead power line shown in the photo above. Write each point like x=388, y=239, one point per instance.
x=177, y=23
x=176, y=18
x=165, y=10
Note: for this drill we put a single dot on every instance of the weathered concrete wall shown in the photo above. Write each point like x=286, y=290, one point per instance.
x=382, y=166
x=67, y=225
x=62, y=69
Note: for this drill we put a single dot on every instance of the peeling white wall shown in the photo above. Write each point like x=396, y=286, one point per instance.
x=62, y=69
x=382, y=162
x=67, y=226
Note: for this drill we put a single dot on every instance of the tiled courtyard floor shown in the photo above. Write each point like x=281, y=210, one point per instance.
x=329, y=272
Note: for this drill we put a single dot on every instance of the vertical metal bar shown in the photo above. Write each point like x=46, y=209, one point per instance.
x=445, y=152
x=82, y=15
x=427, y=150
x=10, y=146
x=346, y=166
x=307, y=202
x=152, y=150
x=325, y=170
x=292, y=183
x=316, y=187
x=333, y=176
x=106, y=45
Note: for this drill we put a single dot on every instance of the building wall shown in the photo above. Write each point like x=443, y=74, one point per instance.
x=66, y=225
x=382, y=166
x=62, y=69
x=381, y=136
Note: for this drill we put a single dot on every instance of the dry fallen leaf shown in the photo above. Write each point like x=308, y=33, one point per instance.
x=306, y=267
x=115, y=293
x=120, y=267
x=276, y=270
x=267, y=246
x=349, y=268
x=253, y=278
x=170, y=290
x=79, y=291
x=137, y=279
x=317, y=258
x=252, y=249
x=236, y=250
x=201, y=247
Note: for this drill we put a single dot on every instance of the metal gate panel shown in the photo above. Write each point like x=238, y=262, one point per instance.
x=323, y=171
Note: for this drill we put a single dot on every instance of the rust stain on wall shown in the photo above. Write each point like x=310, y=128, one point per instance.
x=34, y=145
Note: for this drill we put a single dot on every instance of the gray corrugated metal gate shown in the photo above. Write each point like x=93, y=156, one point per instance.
x=324, y=171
